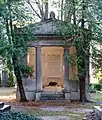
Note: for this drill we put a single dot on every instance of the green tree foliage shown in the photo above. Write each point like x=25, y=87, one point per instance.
x=13, y=45
x=83, y=26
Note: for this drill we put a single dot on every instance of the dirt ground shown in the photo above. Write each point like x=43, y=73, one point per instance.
x=48, y=110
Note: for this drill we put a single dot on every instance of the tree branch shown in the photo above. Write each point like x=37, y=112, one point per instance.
x=40, y=9
x=28, y=1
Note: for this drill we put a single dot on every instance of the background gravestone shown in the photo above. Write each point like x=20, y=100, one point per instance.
x=4, y=78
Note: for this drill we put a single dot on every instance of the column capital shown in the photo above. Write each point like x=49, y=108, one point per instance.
x=38, y=46
x=65, y=47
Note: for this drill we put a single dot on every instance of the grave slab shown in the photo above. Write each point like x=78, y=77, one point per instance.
x=98, y=112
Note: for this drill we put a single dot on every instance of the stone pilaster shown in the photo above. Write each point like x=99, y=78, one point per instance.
x=66, y=75
x=38, y=72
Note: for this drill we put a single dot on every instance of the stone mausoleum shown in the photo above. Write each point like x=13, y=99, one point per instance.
x=53, y=77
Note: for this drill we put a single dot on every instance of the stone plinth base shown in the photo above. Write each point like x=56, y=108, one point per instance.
x=75, y=95
x=71, y=95
x=67, y=96
x=30, y=95
x=38, y=95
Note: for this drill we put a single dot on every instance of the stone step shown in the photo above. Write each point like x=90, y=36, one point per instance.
x=49, y=96
x=53, y=95
x=52, y=92
x=50, y=99
x=5, y=108
x=1, y=104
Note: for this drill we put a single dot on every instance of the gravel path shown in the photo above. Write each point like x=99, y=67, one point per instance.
x=62, y=108
x=55, y=118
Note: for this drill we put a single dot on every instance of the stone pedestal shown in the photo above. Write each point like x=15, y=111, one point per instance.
x=29, y=88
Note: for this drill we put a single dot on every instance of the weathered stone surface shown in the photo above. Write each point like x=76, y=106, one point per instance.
x=66, y=71
x=75, y=95
x=38, y=95
x=74, y=85
x=98, y=112
x=29, y=85
x=52, y=96
x=5, y=108
x=38, y=69
x=45, y=27
x=47, y=43
x=1, y=104
x=67, y=96
x=30, y=95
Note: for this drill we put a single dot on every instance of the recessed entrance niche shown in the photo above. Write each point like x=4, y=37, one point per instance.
x=31, y=61
x=52, y=68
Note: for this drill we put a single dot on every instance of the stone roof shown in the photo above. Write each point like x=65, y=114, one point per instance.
x=51, y=27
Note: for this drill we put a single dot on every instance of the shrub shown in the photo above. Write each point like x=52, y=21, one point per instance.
x=91, y=88
x=94, y=87
x=10, y=81
x=16, y=116
x=97, y=87
x=26, y=71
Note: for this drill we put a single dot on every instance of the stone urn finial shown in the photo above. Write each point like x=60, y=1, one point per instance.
x=52, y=15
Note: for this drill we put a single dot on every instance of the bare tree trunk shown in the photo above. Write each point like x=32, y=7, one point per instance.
x=62, y=3
x=46, y=10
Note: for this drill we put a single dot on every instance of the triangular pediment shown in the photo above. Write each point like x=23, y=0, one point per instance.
x=46, y=27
